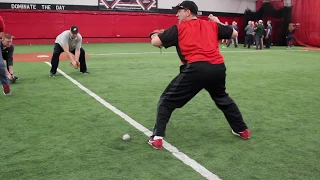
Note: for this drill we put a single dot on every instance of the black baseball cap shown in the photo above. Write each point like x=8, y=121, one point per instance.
x=187, y=5
x=74, y=29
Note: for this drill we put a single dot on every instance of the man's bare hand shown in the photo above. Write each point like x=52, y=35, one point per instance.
x=213, y=18
x=75, y=64
x=10, y=77
x=156, y=32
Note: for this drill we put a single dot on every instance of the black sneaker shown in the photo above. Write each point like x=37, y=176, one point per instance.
x=85, y=72
x=51, y=75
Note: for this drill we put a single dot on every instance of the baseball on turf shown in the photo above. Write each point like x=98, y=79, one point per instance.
x=126, y=137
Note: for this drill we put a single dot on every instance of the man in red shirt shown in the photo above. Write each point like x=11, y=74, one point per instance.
x=3, y=77
x=203, y=66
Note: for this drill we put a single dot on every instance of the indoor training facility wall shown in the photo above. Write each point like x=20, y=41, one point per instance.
x=30, y=26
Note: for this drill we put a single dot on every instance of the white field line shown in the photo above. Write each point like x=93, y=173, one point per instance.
x=180, y=155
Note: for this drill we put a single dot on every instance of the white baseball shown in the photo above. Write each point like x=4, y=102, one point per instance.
x=126, y=137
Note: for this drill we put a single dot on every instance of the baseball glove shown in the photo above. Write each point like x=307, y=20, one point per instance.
x=14, y=78
x=158, y=31
x=75, y=64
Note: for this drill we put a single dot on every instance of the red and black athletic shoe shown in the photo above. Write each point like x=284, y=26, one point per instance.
x=244, y=134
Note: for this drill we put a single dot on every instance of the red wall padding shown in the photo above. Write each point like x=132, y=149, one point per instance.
x=33, y=27
x=307, y=13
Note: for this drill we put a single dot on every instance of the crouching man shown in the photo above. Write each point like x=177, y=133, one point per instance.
x=69, y=41
x=7, y=50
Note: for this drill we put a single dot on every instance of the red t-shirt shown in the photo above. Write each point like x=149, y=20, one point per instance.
x=197, y=40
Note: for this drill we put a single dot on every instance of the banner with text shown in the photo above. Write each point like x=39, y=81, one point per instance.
x=45, y=7
x=129, y=5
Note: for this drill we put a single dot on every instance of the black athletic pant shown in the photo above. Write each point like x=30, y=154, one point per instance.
x=248, y=40
x=5, y=57
x=234, y=41
x=290, y=41
x=193, y=78
x=258, y=42
x=55, y=59
x=268, y=42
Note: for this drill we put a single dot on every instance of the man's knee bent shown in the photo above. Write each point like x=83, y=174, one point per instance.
x=56, y=55
x=223, y=100
x=57, y=50
x=170, y=104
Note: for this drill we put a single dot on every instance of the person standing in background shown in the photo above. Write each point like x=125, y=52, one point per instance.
x=224, y=40
x=249, y=34
x=234, y=40
x=263, y=34
x=255, y=25
x=259, y=33
x=291, y=29
x=268, y=34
